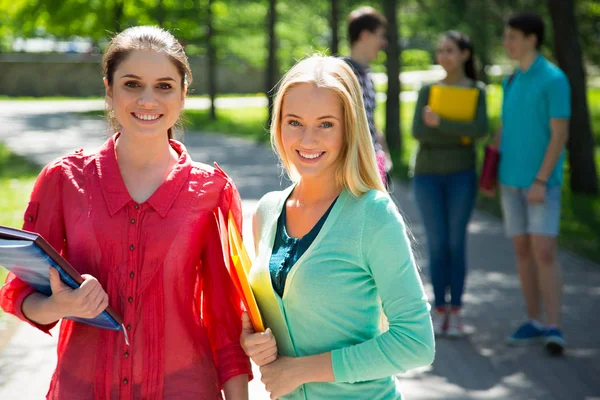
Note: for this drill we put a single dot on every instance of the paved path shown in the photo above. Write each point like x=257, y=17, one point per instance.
x=478, y=367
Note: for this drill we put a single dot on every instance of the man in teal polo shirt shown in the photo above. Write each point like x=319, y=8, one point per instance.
x=535, y=119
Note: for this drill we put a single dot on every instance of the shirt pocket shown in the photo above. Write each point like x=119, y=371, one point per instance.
x=31, y=215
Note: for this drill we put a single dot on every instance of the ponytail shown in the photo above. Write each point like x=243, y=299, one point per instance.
x=470, y=70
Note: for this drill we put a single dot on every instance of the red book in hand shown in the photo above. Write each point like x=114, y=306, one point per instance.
x=489, y=173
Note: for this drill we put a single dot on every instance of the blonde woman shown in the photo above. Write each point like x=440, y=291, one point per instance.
x=328, y=247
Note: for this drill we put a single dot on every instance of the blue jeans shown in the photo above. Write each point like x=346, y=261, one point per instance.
x=445, y=203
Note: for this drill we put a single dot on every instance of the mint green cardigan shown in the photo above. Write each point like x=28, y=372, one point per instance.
x=331, y=297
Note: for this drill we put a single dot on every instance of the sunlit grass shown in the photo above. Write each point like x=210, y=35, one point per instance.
x=243, y=122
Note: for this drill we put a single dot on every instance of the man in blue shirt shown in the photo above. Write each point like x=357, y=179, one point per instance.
x=535, y=119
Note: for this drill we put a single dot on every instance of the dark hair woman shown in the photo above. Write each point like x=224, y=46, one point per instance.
x=444, y=179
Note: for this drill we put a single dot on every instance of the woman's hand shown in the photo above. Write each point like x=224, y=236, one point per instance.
x=260, y=347
x=87, y=301
x=282, y=376
x=430, y=118
x=286, y=374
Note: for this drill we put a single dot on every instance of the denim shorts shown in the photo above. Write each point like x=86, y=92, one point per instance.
x=522, y=218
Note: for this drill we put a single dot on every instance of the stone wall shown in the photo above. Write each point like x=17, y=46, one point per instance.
x=80, y=75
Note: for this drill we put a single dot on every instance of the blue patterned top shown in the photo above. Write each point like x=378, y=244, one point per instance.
x=287, y=250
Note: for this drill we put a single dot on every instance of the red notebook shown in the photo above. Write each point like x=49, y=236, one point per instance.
x=489, y=173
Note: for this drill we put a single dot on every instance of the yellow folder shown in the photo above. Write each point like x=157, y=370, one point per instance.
x=454, y=103
x=242, y=265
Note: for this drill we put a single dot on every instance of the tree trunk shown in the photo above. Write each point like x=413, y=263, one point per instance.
x=393, y=132
x=212, y=61
x=584, y=177
x=335, y=17
x=271, y=70
x=481, y=38
x=118, y=13
x=160, y=13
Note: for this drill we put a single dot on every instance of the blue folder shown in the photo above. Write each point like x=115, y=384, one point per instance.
x=28, y=256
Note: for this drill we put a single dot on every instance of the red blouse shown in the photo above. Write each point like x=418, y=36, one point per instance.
x=162, y=266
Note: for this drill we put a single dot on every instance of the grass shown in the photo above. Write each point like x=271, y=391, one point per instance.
x=594, y=106
x=243, y=122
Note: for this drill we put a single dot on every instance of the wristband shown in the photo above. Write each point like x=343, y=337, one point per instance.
x=540, y=181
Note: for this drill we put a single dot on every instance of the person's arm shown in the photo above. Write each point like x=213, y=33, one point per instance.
x=221, y=304
x=409, y=342
x=560, y=134
x=559, y=101
x=255, y=230
x=558, y=141
x=473, y=129
x=497, y=138
x=87, y=301
x=44, y=216
x=236, y=388
x=285, y=374
x=423, y=133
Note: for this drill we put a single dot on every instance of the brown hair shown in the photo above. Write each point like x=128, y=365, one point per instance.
x=144, y=38
x=464, y=42
x=364, y=18
x=528, y=23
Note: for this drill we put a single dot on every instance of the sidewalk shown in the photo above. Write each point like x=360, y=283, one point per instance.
x=478, y=367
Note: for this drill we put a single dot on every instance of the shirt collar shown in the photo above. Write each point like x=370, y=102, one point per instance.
x=115, y=192
x=535, y=65
x=361, y=68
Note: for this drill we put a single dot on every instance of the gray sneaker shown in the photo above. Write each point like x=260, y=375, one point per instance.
x=455, y=327
x=439, y=319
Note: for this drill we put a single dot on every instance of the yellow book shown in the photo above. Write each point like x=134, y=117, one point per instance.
x=454, y=103
x=242, y=265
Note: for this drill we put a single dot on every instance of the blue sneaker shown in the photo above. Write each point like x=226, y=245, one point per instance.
x=555, y=342
x=526, y=334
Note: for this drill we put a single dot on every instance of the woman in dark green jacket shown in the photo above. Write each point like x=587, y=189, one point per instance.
x=445, y=180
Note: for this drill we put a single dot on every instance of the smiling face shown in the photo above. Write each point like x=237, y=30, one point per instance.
x=146, y=94
x=312, y=130
x=450, y=56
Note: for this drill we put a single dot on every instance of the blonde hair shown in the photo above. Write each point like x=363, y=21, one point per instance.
x=357, y=167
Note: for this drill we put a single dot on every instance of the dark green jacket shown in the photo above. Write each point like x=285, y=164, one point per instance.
x=441, y=150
